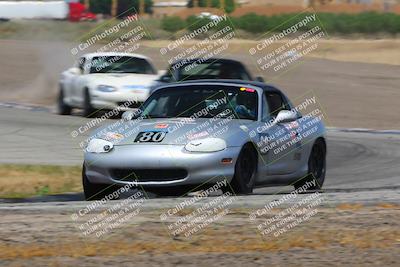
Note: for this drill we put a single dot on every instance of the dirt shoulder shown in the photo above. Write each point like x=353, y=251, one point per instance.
x=344, y=234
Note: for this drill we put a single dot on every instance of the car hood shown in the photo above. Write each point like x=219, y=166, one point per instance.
x=180, y=131
x=122, y=79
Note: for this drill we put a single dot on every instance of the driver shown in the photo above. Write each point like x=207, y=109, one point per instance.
x=246, y=105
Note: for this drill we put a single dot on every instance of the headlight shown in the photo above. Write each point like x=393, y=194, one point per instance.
x=136, y=87
x=206, y=145
x=106, y=88
x=99, y=146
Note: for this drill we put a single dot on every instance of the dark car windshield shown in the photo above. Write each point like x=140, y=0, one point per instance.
x=209, y=70
x=120, y=64
x=202, y=102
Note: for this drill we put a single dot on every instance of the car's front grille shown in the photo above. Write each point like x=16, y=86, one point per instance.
x=149, y=175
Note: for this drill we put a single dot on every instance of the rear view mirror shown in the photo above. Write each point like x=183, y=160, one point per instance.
x=259, y=79
x=285, y=116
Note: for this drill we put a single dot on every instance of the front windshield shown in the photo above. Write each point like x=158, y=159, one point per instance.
x=211, y=70
x=120, y=64
x=202, y=102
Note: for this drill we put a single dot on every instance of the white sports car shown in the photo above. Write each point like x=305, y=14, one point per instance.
x=106, y=81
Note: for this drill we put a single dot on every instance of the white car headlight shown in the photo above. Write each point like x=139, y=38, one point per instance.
x=106, y=88
x=99, y=146
x=206, y=145
x=138, y=87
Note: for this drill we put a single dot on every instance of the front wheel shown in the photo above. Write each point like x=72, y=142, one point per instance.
x=245, y=170
x=62, y=107
x=316, y=167
x=88, y=109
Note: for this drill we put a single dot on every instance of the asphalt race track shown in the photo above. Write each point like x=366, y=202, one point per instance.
x=355, y=225
x=357, y=160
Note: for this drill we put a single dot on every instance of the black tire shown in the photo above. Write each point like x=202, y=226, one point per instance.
x=316, y=166
x=88, y=109
x=62, y=107
x=245, y=170
x=95, y=191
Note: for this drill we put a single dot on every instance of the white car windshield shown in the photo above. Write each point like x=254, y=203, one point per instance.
x=120, y=64
x=203, y=102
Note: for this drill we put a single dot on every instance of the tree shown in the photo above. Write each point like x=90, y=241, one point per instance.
x=100, y=6
x=131, y=6
x=199, y=3
x=216, y=3
x=230, y=6
x=124, y=7
x=202, y=3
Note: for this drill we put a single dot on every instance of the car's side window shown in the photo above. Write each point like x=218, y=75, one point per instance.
x=244, y=75
x=276, y=103
x=265, y=109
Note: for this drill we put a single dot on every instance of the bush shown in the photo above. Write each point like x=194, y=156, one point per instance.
x=252, y=23
x=172, y=24
x=367, y=22
x=194, y=22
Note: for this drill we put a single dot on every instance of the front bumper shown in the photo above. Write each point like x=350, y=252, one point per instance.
x=113, y=100
x=198, y=168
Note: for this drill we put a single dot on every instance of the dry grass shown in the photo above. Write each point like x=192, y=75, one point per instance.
x=367, y=230
x=347, y=206
x=366, y=51
x=351, y=239
x=31, y=180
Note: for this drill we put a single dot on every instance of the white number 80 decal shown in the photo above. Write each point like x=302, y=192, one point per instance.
x=150, y=137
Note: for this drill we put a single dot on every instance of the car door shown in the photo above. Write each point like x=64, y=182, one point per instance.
x=282, y=149
x=77, y=81
x=69, y=80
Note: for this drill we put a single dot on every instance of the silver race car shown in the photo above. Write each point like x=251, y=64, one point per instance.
x=193, y=134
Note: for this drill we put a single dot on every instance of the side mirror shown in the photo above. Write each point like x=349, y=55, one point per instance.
x=75, y=71
x=130, y=115
x=260, y=79
x=165, y=79
x=285, y=116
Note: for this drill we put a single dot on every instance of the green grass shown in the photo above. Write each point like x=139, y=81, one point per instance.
x=17, y=181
